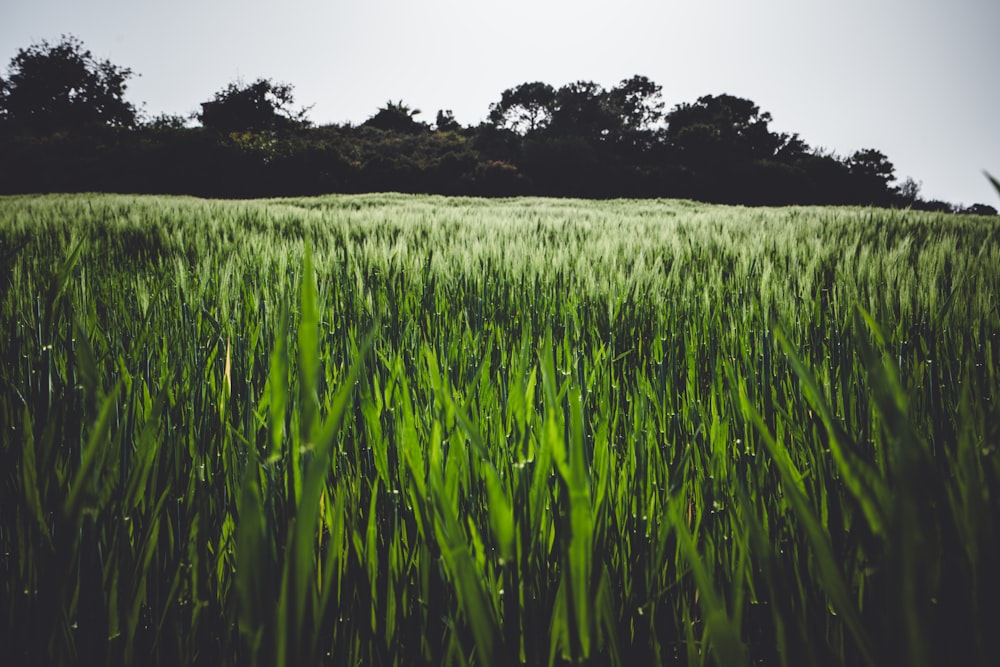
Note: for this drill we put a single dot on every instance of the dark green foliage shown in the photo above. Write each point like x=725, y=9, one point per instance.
x=260, y=106
x=397, y=117
x=446, y=122
x=872, y=174
x=525, y=109
x=719, y=128
x=62, y=88
x=58, y=107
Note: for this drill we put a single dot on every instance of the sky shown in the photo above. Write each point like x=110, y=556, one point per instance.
x=918, y=80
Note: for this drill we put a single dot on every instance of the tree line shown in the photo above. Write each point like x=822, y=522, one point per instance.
x=66, y=125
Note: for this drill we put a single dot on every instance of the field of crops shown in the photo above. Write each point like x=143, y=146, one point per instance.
x=395, y=430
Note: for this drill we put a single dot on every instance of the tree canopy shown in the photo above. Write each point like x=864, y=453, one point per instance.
x=580, y=109
x=262, y=105
x=62, y=87
x=722, y=127
x=579, y=139
x=524, y=109
x=397, y=117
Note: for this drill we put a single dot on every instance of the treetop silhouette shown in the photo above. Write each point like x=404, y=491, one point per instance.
x=576, y=140
x=62, y=87
x=260, y=106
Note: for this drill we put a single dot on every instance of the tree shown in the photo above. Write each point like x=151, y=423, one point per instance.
x=909, y=192
x=638, y=102
x=871, y=172
x=165, y=122
x=256, y=107
x=935, y=206
x=979, y=209
x=722, y=127
x=62, y=87
x=790, y=148
x=872, y=165
x=583, y=109
x=446, y=122
x=397, y=117
x=524, y=109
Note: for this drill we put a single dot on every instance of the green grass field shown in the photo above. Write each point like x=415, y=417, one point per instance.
x=399, y=430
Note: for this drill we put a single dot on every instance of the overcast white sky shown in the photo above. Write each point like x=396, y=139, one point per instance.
x=916, y=79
